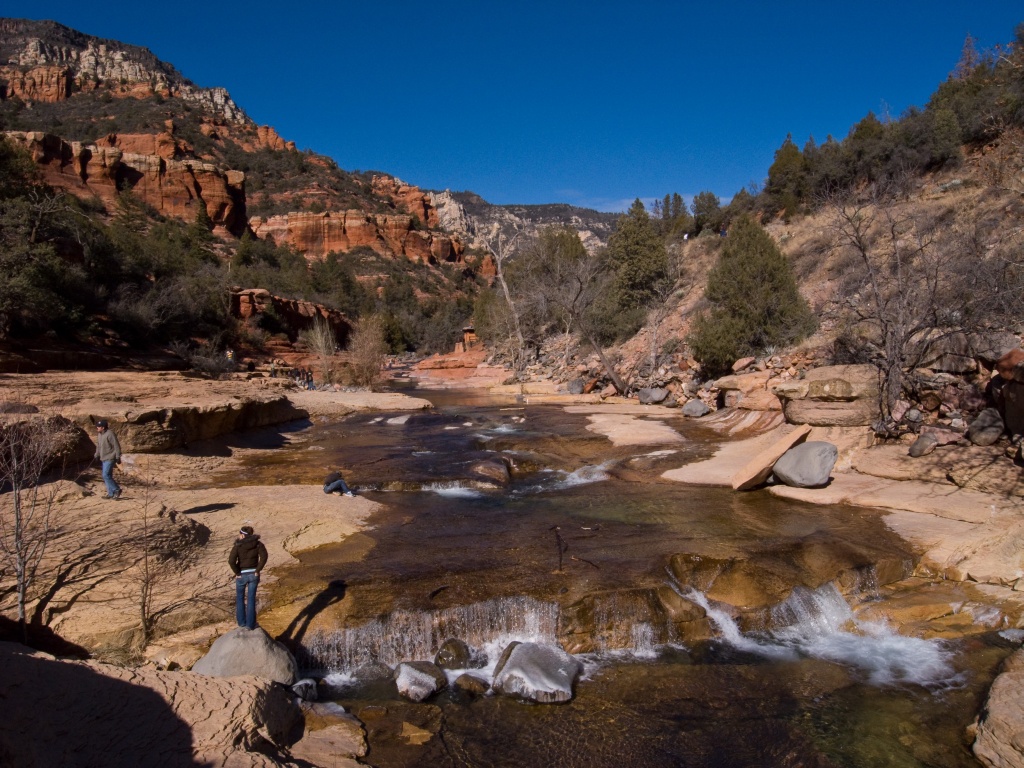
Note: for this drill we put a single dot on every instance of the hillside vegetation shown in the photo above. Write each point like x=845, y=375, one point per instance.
x=898, y=240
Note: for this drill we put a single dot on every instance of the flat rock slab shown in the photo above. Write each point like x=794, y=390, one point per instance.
x=624, y=429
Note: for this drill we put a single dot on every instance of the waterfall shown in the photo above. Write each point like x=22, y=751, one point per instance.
x=820, y=624
x=417, y=635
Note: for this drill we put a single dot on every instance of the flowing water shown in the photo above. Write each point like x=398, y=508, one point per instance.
x=571, y=550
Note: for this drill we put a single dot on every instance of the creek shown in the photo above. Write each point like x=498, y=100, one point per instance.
x=575, y=549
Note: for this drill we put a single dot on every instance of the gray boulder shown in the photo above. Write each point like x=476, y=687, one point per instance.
x=924, y=445
x=534, y=672
x=576, y=386
x=419, y=680
x=695, y=409
x=987, y=428
x=808, y=465
x=651, y=395
x=248, y=652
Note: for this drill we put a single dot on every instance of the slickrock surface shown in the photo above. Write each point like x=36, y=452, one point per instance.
x=68, y=713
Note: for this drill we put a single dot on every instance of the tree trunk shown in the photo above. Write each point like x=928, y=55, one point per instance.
x=616, y=379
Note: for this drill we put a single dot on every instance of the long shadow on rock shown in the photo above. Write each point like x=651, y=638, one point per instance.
x=333, y=593
x=79, y=717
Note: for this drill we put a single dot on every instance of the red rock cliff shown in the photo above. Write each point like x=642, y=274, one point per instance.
x=173, y=186
x=317, y=234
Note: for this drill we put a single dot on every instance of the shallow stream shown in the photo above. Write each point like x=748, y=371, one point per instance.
x=454, y=553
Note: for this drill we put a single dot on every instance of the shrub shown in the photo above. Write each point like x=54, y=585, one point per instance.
x=754, y=301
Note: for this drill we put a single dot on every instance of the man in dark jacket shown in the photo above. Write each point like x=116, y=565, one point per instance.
x=247, y=558
x=108, y=451
x=334, y=483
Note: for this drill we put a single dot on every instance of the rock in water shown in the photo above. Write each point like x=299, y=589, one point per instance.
x=808, y=465
x=535, y=672
x=418, y=680
x=456, y=654
x=249, y=652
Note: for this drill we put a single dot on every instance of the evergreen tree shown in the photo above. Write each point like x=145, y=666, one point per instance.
x=707, y=212
x=754, y=301
x=786, y=188
x=639, y=259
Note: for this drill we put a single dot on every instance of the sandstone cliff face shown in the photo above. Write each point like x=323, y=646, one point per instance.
x=250, y=303
x=408, y=198
x=53, y=71
x=317, y=234
x=173, y=187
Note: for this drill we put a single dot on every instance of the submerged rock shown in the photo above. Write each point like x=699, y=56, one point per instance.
x=456, y=654
x=542, y=673
x=419, y=680
x=249, y=652
x=471, y=684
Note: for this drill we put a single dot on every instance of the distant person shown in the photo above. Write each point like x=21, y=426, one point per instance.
x=247, y=558
x=309, y=380
x=273, y=370
x=335, y=483
x=108, y=452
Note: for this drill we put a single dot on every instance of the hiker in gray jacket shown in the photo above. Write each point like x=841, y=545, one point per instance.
x=108, y=451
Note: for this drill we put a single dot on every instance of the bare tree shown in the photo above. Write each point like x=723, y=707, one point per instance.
x=567, y=282
x=502, y=248
x=321, y=340
x=28, y=447
x=909, y=293
x=368, y=350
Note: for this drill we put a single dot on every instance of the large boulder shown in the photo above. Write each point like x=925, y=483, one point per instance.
x=542, y=673
x=1000, y=731
x=249, y=652
x=419, y=680
x=808, y=465
x=750, y=391
x=832, y=396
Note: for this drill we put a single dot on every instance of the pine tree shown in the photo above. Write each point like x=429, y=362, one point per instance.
x=755, y=302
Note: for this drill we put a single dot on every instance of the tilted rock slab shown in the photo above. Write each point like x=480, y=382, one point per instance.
x=249, y=652
x=535, y=672
x=64, y=713
x=756, y=471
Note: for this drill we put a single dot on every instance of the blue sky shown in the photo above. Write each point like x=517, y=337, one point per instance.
x=590, y=103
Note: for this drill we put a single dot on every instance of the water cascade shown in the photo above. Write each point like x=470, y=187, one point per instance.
x=820, y=624
x=417, y=635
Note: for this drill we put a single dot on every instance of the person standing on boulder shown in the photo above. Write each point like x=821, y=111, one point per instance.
x=108, y=452
x=247, y=558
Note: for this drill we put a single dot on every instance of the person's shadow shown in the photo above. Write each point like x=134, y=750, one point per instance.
x=333, y=593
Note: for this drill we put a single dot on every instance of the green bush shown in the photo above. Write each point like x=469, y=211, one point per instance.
x=755, y=302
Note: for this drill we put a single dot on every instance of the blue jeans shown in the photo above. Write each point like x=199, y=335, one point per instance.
x=108, y=478
x=337, y=485
x=245, y=599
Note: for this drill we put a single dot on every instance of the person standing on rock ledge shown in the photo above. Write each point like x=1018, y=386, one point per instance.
x=247, y=558
x=108, y=451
